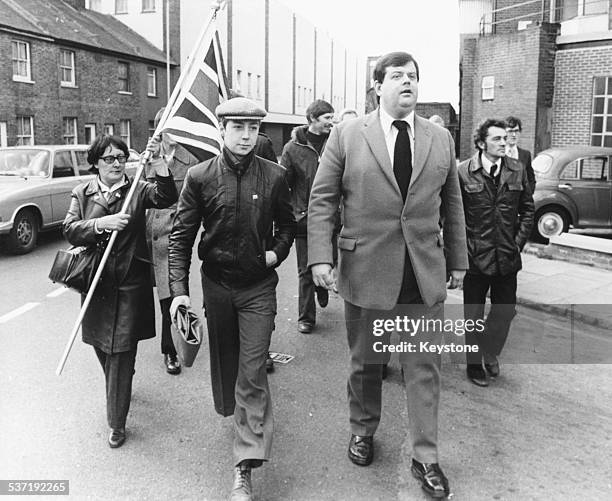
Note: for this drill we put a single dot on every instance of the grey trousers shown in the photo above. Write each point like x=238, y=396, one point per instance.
x=421, y=378
x=240, y=323
x=118, y=372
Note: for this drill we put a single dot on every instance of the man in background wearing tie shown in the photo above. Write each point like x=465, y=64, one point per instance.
x=514, y=127
x=395, y=175
x=499, y=210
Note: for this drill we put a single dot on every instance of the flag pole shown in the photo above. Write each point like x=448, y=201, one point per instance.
x=215, y=7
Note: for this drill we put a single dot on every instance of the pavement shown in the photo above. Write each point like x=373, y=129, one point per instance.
x=567, y=289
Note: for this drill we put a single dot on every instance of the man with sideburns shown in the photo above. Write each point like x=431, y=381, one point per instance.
x=395, y=175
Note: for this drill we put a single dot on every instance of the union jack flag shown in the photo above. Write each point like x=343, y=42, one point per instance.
x=202, y=86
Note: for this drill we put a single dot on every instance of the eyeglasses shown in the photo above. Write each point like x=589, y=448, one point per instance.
x=110, y=159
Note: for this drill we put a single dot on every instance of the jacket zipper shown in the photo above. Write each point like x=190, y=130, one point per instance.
x=236, y=223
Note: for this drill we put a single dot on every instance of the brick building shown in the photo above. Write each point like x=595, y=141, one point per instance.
x=547, y=62
x=70, y=73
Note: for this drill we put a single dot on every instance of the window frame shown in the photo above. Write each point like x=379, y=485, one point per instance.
x=151, y=71
x=20, y=119
x=73, y=133
x=601, y=137
x=16, y=59
x=123, y=4
x=72, y=68
x=487, y=88
x=148, y=9
x=124, y=80
x=127, y=138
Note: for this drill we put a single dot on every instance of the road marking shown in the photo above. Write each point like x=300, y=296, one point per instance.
x=57, y=292
x=15, y=313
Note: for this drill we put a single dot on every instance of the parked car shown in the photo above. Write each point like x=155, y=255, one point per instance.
x=573, y=188
x=35, y=186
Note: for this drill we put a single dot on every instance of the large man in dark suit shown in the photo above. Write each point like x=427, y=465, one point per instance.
x=396, y=175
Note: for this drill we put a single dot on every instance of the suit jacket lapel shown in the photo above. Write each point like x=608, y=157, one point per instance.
x=422, y=145
x=372, y=130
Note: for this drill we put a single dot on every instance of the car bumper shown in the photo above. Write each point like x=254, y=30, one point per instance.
x=6, y=227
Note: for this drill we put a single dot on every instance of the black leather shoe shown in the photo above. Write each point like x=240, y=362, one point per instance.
x=492, y=368
x=477, y=375
x=269, y=364
x=385, y=370
x=304, y=327
x=173, y=366
x=433, y=481
x=323, y=297
x=116, y=437
x=361, y=450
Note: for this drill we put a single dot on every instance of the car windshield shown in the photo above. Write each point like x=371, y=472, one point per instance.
x=541, y=164
x=24, y=163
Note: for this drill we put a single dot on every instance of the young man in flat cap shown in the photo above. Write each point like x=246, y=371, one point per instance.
x=237, y=198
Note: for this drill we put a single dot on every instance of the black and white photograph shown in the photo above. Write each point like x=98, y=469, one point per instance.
x=306, y=250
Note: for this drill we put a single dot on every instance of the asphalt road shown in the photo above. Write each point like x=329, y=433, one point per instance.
x=541, y=431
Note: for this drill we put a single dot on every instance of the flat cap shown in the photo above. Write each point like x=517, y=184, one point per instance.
x=240, y=108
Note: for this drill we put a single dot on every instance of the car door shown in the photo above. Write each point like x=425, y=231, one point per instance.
x=591, y=191
x=63, y=179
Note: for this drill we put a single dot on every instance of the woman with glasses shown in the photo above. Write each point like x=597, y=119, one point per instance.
x=121, y=312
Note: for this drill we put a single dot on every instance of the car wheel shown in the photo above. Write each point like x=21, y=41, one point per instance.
x=550, y=222
x=22, y=238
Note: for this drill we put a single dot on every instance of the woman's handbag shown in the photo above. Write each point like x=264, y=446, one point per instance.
x=187, y=330
x=76, y=267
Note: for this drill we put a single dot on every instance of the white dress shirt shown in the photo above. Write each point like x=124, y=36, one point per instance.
x=512, y=152
x=487, y=164
x=390, y=132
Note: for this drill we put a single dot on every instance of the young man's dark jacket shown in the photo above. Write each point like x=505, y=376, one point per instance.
x=301, y=161
x=498, y=219
x=237, y=209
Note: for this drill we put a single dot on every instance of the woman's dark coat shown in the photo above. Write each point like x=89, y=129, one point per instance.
x=121, y=312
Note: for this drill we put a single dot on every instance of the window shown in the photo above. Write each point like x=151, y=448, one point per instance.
x=151, y=82
x=148, y=5
x=22, y=70
x=109, y=129
x=90, y=133
x=25, y=131
x=151, y=128
x=95, y=5
x=62, y=164
x=571, y=9
x=70, y=130
x=488, y=88
x=124, y=131
x=238, y=85
x=124, y=77
x=67, y=76
x=601, y=117
x=82, y=165
x=121, y=6
x=594, y=169
x=570, y=171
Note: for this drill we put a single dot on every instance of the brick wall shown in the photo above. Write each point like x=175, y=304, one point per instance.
x=522, y=64
x=94, y=100
x=506, y=20
x=573, y=99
